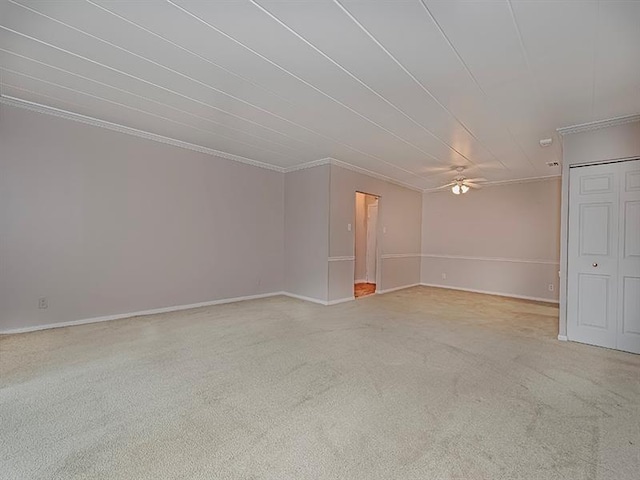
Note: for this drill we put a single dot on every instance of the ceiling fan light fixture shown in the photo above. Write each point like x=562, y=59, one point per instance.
x=464, y=188
x=456, y=189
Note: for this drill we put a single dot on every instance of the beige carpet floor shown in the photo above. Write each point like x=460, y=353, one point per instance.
x=422, y=383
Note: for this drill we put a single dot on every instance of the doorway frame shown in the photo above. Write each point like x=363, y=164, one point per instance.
x=378, y=237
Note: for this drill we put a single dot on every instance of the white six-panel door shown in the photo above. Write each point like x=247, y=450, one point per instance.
x=603, y=295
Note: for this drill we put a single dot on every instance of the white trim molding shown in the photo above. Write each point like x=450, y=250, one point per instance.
x=486, y=292
x=340, y=300
x=346, y=258
x=96, y=122
x=311, y=164
x=306, y=299
x=76, y=117
x=384, y=256
x=587, y=127
x=116, y=127
x=492, y=259
x=563, y=338
x=176, y=308
x=354, y=168
x=395, y=289
x=379, y=176
x=141, y=313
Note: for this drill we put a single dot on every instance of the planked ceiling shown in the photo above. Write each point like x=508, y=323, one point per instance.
x=405, y=89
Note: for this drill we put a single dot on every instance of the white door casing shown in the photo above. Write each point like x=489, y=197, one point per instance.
x=372, y=228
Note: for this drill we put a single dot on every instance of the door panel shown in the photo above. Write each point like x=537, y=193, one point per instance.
x=632, y=181
x=593, y=301
x=628, y=338
x=594, y=184
x=594, y=239
x=593, y=255
x=631, y=247
x=631, y=306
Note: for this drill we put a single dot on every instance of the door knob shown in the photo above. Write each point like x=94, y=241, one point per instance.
x=594, y=264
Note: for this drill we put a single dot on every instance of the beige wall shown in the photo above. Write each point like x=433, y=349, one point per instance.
x=499, y=239
x=399, y=213
x=306, y=232
x=612, y=143
x=105, y=223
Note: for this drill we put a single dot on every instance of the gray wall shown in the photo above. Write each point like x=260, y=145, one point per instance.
x=399, y=212
x=104, y=223
x=306, y=232
x=500, y=239
x=612, y=143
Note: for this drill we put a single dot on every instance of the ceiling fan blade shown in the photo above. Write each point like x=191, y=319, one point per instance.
x=445, y=186
x=435, y=170
x=472, y=185
x=472, y=180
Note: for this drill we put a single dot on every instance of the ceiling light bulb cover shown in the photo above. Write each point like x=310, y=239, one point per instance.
x=464, y=188
x=456, y=189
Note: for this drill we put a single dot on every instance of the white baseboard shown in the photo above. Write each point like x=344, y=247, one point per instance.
x=485, y=292
x=360, y=280
x=302, y=297
x=222, y=301
x=154, y=311
x=340, y=300
x=389, y=290
x=563, y=338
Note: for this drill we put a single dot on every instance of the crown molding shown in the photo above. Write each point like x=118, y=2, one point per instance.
x=348, y=166
x=587, y=127
x=76, y=117
x=311, y=164
x=499, y=183
x=379, y=176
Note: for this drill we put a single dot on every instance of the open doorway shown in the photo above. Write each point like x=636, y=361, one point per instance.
x=366, y=244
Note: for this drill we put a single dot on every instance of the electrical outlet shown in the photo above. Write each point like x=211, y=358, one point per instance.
x=551, y=287
x=348, y=227
x=43, y=303
x=444, y=276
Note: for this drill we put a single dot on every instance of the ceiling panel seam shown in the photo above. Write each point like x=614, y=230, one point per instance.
x=473, y=77
x=271, y=62
x=147, y=82
x=243, y=132
x=525, y=55
x=97, y=97
x=255, y=106
x=365, y=85
x=310, y=85
x=168, y=69
x=220, y=91
x=418, y=82
x=594, y=58
x=44, y=109
x=185, y=96
x=190, y=52
x=211, y=106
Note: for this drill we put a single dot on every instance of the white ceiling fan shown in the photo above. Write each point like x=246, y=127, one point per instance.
x=461, y=184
